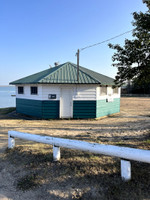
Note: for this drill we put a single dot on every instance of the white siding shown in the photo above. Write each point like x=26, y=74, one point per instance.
x=109, y=93
x=79, y=92
x=84, y=92
x=119, y=93
x=50, y=89
x=27, y=94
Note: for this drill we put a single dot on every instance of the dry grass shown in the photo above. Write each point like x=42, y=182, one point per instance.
x=80, y=175
x=89, y=176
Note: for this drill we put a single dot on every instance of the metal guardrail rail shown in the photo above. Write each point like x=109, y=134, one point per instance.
x=124, y=153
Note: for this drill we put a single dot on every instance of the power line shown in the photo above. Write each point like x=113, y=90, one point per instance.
x=78, y=51
x=105, y=40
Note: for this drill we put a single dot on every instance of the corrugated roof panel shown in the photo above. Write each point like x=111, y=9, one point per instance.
x=104, y=80
x=66, y=73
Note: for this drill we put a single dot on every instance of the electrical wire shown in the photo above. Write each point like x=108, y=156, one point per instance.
x=105, y=40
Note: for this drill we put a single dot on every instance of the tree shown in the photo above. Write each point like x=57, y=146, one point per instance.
x=147, y=2
x=133, y=59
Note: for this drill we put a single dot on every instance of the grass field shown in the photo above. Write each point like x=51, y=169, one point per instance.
x=28, y=171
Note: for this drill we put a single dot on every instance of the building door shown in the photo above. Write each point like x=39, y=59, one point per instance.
x=66, y=103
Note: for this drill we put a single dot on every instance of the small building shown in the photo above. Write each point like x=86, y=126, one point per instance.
x=56, y=93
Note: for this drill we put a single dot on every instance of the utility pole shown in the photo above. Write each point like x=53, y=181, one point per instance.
x=78, y=52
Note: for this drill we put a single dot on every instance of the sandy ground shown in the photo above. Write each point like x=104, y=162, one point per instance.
x=132, y=124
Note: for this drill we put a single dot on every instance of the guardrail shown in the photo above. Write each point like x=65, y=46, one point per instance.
x=124, y=153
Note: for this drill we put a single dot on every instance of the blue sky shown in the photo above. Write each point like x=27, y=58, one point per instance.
x=36, y=33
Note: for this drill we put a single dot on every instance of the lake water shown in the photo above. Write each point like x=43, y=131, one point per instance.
x=6, y=100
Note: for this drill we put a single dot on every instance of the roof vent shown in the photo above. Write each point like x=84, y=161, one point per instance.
x=56, y=64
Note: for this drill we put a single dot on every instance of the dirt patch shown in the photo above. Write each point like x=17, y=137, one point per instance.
x=28, y=171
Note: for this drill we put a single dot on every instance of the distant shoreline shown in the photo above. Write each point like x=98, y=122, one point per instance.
x=6, y=85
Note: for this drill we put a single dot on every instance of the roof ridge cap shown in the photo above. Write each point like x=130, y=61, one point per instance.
x=58, y=67
x=86, y=73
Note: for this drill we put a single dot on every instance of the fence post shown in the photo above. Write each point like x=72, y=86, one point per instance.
x=56, y=153
x=125, y=170
x=11, y=142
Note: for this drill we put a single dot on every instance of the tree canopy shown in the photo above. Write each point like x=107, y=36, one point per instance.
x=148, y=3
x=133, y=59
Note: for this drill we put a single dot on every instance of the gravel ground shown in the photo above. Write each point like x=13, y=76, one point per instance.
x=129, y=128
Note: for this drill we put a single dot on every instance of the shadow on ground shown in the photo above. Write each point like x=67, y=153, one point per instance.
x=78, y=175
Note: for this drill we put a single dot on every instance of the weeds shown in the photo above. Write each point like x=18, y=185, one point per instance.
x=147, y=141
x=28, y=182
x=78, y=169
x=4, y=111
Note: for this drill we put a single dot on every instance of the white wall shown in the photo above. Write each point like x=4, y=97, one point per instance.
x=27, y=94
x=50, y=89
x=80, y=92
x=109, y=94
x=84, y=92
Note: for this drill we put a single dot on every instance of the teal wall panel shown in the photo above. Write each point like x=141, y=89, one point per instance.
x=29, y=107
x=81, y=109
x=42, y=109
x=84, y=109
x=104, y=108
x=50, y=109
x=95, y=109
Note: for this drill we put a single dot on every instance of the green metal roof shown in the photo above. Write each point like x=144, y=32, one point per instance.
x=66, y=73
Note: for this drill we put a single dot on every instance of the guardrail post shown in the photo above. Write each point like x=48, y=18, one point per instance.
x=56, y=153
x=11, y=142
x=125, y=170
